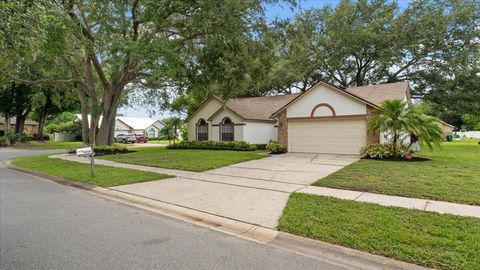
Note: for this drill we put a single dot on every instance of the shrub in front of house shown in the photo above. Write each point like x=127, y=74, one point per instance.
x=276, y=148
x=213, y=145
x=381, y=151
x=111, y=148
x=3, y=140
x=261, y=146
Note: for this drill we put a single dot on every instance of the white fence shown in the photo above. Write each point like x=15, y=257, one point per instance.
x=469, y=134
x=62, y=137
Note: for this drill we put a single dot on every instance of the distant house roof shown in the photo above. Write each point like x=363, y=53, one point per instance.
x=79, y=117
x=447, y=124
x=132, y=122
x=137, y=122
x=13, y=121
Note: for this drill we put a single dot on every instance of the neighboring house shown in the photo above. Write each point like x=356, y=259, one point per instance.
x=125, y=125
x=323, y=119
x=29, y=126
x=446, y=128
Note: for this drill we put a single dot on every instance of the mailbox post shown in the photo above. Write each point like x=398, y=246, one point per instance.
x=88, y=152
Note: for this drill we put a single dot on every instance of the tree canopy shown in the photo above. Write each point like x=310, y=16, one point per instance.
x=174, y=54
x=433, y=44
x=107, y=46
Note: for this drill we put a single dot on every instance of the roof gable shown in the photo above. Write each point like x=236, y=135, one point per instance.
x=131, y=122
x=137, y=122
x=208, y=100
x=223, y=109
x=372, y=95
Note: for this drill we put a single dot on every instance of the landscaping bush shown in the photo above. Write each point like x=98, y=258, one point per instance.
x=381, y=151
x=3, y=140
x=276, y=148
x=212, y=145
x=22, y=137
x=110, y=148
x=115, y=148
x=261, y=146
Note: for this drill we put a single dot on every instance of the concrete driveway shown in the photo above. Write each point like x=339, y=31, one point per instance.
x=254, y=191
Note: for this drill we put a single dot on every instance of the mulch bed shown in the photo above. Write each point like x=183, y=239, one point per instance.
x=105, y=153
x=413, y=159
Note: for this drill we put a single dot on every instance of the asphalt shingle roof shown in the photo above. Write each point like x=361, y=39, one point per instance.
x=376, y=94
x=259, y=108
x=13, y=121
x=262, y=108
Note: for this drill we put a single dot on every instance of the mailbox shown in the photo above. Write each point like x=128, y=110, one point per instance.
x=84, y=151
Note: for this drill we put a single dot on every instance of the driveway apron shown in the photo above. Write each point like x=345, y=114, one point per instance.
x=254, y=191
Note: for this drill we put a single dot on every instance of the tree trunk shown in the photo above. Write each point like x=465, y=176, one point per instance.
x=21, y=117
x=84, y=111
x=395, y=151
x=106, y=131
x=41, y=121
x=8, y=128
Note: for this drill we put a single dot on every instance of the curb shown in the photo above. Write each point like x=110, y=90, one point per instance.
x=323, y=251
x=339, y=255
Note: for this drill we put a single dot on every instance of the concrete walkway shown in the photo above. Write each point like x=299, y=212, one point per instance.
x=257, y=191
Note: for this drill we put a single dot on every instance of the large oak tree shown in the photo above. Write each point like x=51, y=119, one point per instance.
x=108, y=46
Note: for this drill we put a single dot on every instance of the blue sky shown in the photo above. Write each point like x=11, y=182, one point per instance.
x=281, y=11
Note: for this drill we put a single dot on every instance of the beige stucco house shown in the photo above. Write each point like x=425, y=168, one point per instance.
x=323, y=119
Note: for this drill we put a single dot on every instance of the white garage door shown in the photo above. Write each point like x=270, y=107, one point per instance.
x=327, y=136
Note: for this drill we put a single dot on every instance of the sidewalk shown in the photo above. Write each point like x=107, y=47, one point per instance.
x=277, y=192
x=404, y=202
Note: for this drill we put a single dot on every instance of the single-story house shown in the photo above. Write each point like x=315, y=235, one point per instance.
x=126, y=125
x=323, y=119
x=29, y=126
x=446, y=128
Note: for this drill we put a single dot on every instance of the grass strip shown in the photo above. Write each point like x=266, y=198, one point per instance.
x=105, y=176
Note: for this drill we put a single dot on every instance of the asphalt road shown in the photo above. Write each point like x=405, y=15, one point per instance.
x=44, y=225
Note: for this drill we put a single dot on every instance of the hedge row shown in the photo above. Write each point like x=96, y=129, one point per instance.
x=212, y=145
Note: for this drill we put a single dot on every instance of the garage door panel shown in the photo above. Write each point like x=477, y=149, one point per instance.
x=327, y=136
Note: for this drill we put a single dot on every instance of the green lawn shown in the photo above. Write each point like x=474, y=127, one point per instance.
x=105, y=176
x=452, y=174
x=185, y=159
x=424, y=238
x=49, y=145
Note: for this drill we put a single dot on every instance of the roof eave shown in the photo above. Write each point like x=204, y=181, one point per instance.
x=124, y=123
x=202, y=105
x=223, y=108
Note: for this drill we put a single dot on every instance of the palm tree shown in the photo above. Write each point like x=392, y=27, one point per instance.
x=171, y=128
x=400, y=119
